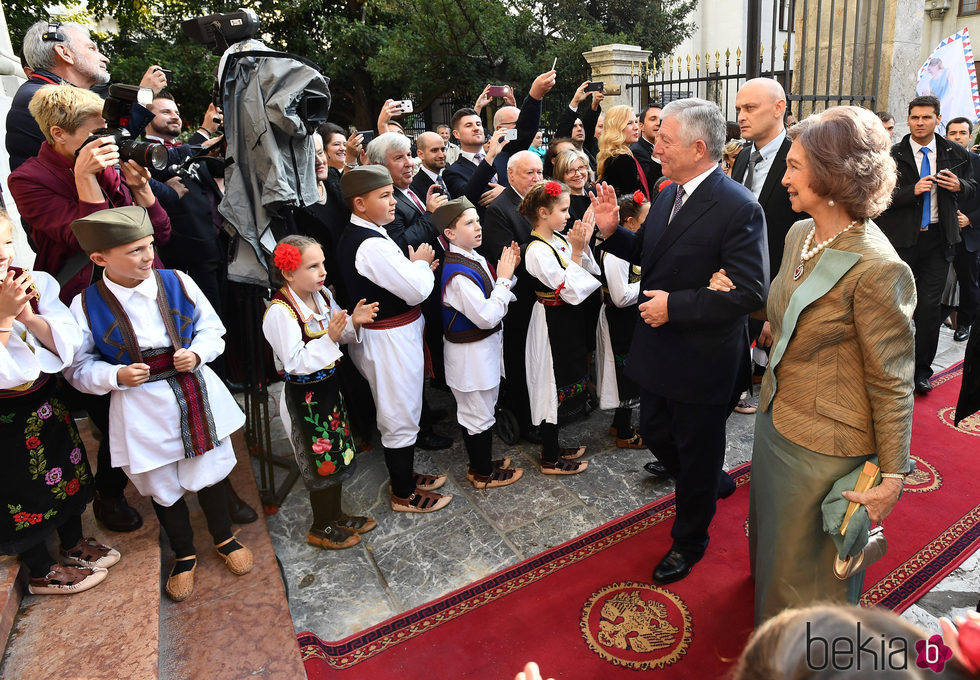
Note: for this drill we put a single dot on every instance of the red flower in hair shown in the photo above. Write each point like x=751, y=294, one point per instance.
x=287, y=257
x=639, y=197
x=553, y=188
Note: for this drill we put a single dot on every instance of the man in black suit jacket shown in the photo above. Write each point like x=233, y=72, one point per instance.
x=526, y=120
x=643, y=147
x=472, y=173
x=921, y=221
x=690, y=348
x=578, y=121
x=760, y=106
x=502, y=226
x=431, y=149
x=966, y=261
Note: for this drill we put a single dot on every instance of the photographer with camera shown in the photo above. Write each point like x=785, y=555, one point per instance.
x=75, y=175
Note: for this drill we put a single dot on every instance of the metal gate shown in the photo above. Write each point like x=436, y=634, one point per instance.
x=823, y=52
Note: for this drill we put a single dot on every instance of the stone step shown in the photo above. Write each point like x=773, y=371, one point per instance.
x=13, y=585
x=231, y=626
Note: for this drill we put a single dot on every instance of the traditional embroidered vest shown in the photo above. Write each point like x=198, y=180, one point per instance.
x=548, y=296
x=358, y=286
x=110, y=327
x=283, y=298
x=456, y=327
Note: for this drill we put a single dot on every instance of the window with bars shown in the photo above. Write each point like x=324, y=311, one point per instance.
x=969, y=7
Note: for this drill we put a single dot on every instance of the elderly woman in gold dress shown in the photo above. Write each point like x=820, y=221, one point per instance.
x=838, y=388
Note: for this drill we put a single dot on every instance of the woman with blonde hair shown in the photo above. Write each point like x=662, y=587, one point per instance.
x=616, y=163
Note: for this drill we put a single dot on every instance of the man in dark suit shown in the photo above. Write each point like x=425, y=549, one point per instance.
x=921, y=222
x=966, y=261
x=578, y=121
x=643, y=147
x=502, y=226
x=690, y=349
x=473, y=172
x=431, y=150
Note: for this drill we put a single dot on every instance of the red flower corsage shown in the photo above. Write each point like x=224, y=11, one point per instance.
x=553, y=188
x=639, y=197
x=287, y=257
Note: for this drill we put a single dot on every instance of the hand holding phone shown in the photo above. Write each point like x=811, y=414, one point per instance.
x=595, y=86
x=404, y=105
x=498, y=90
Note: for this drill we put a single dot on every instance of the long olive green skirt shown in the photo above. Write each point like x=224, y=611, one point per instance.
x=791, y=556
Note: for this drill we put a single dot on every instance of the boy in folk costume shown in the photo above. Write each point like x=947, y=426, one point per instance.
x=474, y=302
x=391, y=353
x=148, y=335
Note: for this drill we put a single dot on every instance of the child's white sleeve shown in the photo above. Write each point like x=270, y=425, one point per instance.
x=464, y=295
x=622, y=292
x=383, y=262
x=283, y=334
x=574, y=283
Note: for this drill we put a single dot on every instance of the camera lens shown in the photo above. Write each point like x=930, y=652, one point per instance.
x=147, y=154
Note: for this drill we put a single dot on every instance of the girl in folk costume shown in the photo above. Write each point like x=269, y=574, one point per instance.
x=304, y=326
x=148, y=335
x=564, y=275
x=620, y=291
x=46, y=481
x=474, y=302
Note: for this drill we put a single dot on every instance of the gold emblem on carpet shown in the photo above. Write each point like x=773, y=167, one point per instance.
x=969, y=425
x=636, y=625
x=924, y=479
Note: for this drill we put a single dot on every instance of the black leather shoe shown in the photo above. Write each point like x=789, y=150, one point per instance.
x=532, y=434
x=430, y=441
x=239, y=511
x=922, y=386
x=673, y=567
x=115, y=513
x=657, y=469
x=962, y=333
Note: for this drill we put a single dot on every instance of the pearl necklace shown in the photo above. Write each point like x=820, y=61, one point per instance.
x=806, y=254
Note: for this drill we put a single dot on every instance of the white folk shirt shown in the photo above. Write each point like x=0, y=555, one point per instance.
x=392, y=360
x=24, y=358
x=623, y=294
x=144, y=421
x=473, y=366
x=579, y=283
x=283, y=334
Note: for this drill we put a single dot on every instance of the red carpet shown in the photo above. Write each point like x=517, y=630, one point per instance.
x=587, y=609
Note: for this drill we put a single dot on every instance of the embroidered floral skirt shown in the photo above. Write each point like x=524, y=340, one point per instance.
x=319, y=431
x=568, y=334
x=46, y=479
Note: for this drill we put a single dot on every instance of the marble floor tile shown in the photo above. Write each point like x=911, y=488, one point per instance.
x=553, y=529
x=450, y=551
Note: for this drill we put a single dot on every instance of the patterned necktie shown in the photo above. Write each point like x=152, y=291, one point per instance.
x=754, y=160
x=678, y=202
x=477, y=157
x=442, y=183
x=415, y=200
x=925, y=171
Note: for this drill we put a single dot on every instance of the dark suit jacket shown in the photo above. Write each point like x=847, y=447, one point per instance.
x=902, y=220
x=503, y=224
x=410, y=227
x=589, y=119
x=643, y=152
x=465, y=178
x=775, y=202
x=971, y=208
x=528, y=123
x=421, y=183
x=700, y=355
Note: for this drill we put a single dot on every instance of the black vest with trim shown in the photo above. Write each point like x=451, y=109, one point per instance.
x=357, y=286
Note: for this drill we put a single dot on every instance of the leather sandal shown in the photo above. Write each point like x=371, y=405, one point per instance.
x=634, y=442
x=563, y=466
x=428, y=482
x=571, y=452
x=498, y=464
x=332, y=537
x=498, y=477
x=238, y=561
x=420, y=501
x=89, y=553
x=65, y=580
x=180, y=586
x=355, y=524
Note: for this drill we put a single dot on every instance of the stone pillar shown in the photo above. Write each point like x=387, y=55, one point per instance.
x=900, y=38
x=617, y=65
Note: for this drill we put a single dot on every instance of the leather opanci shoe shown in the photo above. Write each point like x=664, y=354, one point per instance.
x=922, y=386
x=657, y=469
x=673, y=567
x=430, y=441
x=239, y=511
x=115, y=513
x=962, y=333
